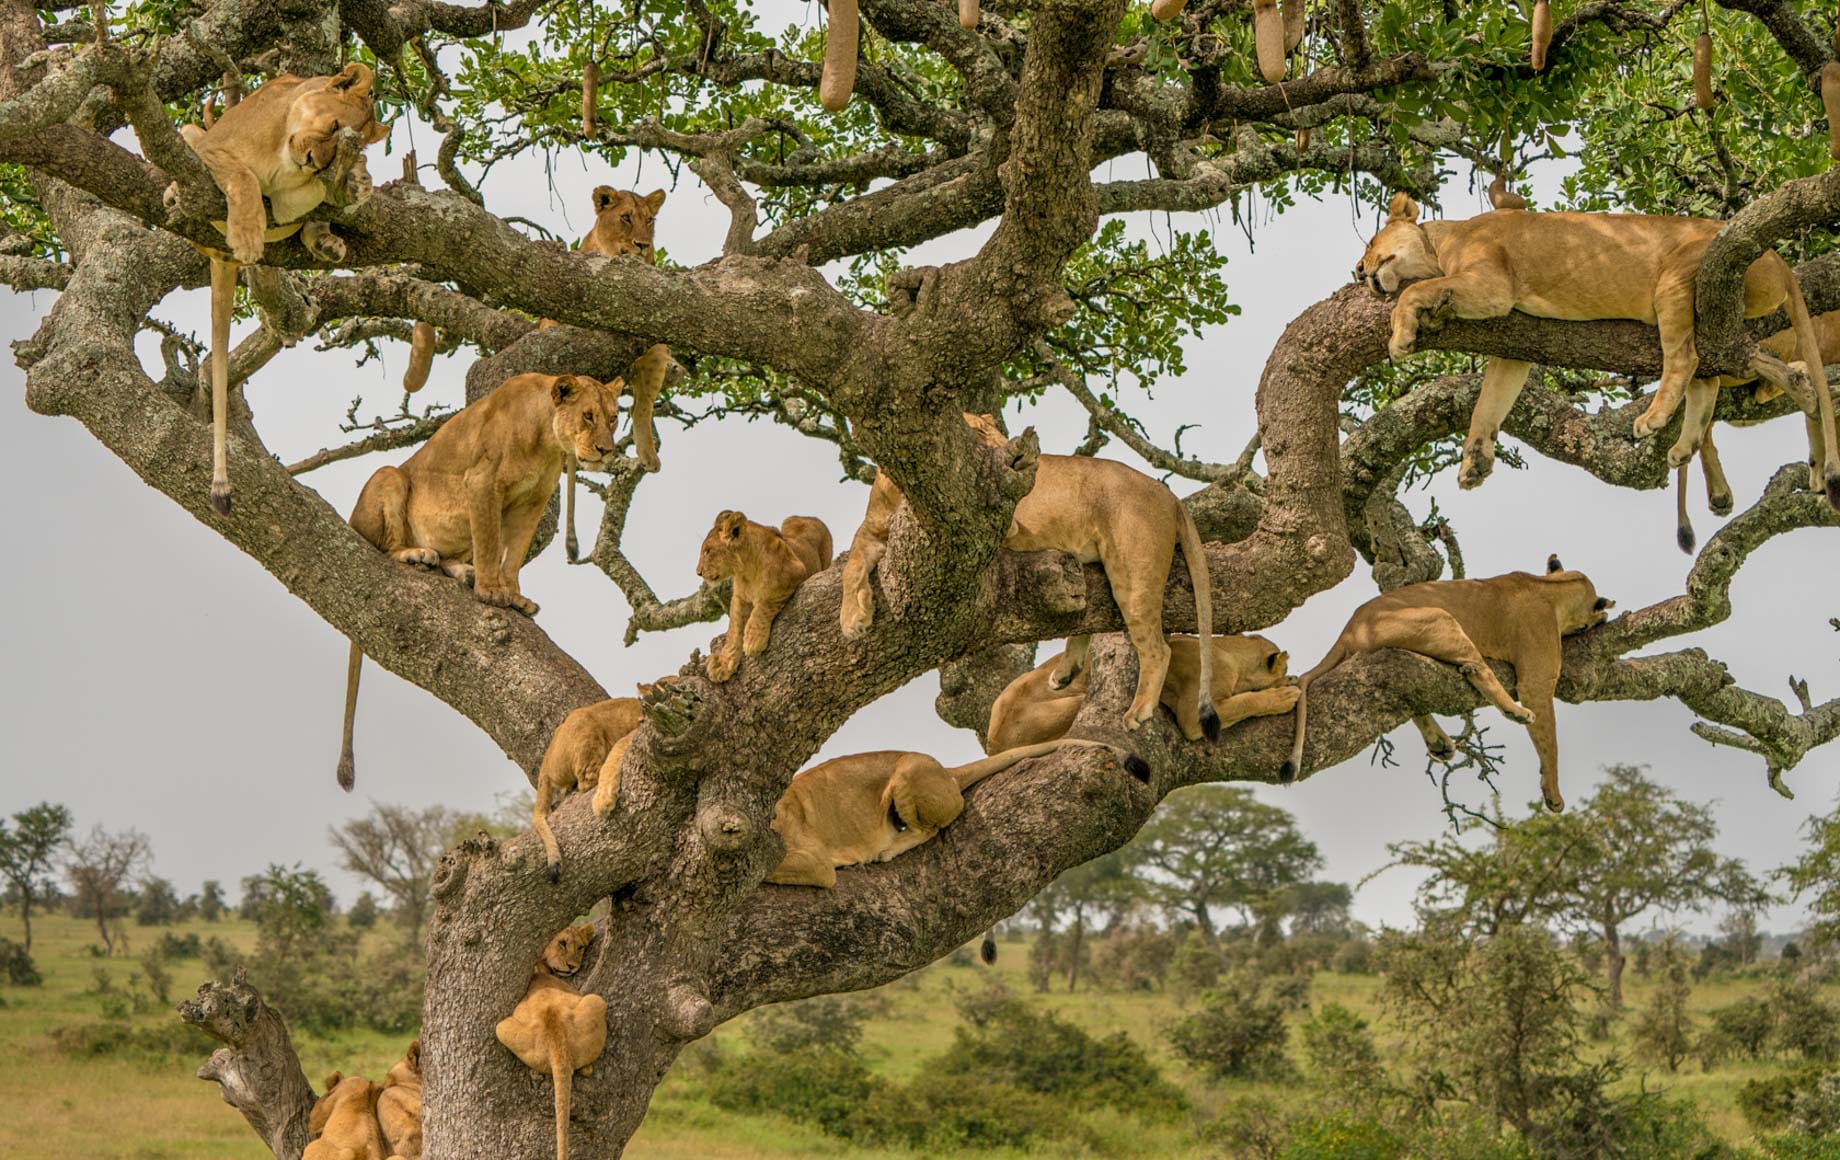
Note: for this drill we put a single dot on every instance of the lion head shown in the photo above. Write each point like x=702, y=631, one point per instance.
x=717, y=559
x=585, y=412
x=624, y=221
x=985, y=427
x=1579, y=607
x=1400, y=253
x=1272, y=670
x=564, y=954
x=317, y=118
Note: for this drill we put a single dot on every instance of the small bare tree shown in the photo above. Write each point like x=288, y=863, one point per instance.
x=100, y=867
x=399, y=848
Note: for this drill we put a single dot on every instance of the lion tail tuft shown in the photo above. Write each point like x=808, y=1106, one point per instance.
x=987, y=950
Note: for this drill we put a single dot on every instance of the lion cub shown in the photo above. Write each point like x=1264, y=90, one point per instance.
x=555, y=1029
x=1518, y=618
x=767, y=566
x=399, y=1105
x=1250, y=681
x=872, y=807
x=579, y=748
x=281, y=142
x=343, y=1124
x=1096, y=510
x=468, y=501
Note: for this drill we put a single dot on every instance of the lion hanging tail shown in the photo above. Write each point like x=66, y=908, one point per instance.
x=1683, y=526
x=562, y=1074
x=223, y=301
x=347, y=770
x=971, y=773
x=1287, y=773
x=1204, y=617
x=1809, y=345
x=571, y=466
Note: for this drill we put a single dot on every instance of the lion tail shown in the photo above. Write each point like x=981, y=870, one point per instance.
x=1287, y=773
x=539, y=821
x=1204, y=617
x=1683, y=524
x=971, y=773
x=347, y=768
x=987, y=950
x=223, y=301
x=568, y=516
x=562, y=1073
x=1810, y=346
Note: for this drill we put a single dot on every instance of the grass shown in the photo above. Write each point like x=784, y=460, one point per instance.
x=57, y=1107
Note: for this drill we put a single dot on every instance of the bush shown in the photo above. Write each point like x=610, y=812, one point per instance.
x=1341, y=1050
x=1805, y=1023
x=941, y=1112
x=1741, y=1029
x=157, y=904
x=363, y=913
x=1771, y=1103
x=323, y=985
x=171, y=946
x=833, y=1021
x=1134, y=958
x=165, y=1042
x=821, y=1086
x=1342, y=1137
x=1193, y=968
x=16, y=966
x=1355, y=957
x=1238, y=1032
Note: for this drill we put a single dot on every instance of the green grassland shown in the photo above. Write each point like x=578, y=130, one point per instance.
x=58, y=1106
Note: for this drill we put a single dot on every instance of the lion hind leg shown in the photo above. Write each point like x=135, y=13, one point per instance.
x=805, y=868
x=1502, y=381
x=1437, y=742
x=1679, y=356
x=1071, y=662
x=1435, y=633
x=1718, y=488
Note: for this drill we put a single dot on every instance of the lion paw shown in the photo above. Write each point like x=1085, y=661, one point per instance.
x=721, y=666
x=1284, y=698
x=461, y=572
x=1649, y=422
x=504, y=596
x=1520, y=713
x=1475, y=469
x=420, y=557
x=245, y=244
x=1401, y=346
x=323, y=244
x=648, y=461
x=855, y=617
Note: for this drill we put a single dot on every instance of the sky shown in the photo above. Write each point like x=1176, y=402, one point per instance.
x=157, y=678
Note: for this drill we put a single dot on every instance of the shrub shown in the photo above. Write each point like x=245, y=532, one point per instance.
x=1663, y=1030
x=363, y=914
x=824, y=1021
x=16, y=965
x=1193, y=968
x=941, y=1112
x=1238, y=1032
x=1805, y=1023
x=1771, y=1103
x=1740, y=1029
x=164, y=1042
x=1355, y=957
x=1342, y=1137
x=821, y=1086
x=1135, y=958
x=171, y=946
x=1341, y=1050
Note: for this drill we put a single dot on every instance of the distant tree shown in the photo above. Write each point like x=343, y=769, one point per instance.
x=1195, y=968
x=1816, y=876
x=1092, y=894
x=1791, y=953
x=28, y=854
x=157, y=904
x=1664, y=1030
x=363, y=913
x=1212, y=846
x=290, y=905
x=1632, y=847
x=398, y=848
x=211, y=900
x=1317, y=907
x=1738, y=929
x=99, y=868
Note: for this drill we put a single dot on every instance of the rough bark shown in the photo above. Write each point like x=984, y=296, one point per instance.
x=256, y=1068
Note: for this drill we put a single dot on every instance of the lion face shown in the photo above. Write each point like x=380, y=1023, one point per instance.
x=717, y=558
x=1400, y=253
x=1581, y=607
x=316, y=119
x=623, y=221
x=565, y=952
x=1272, y=670
x=584, y=418
x=986, y=429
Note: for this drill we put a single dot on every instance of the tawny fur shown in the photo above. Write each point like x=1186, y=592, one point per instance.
x=555, y=1030
x=573, y=761
x=872, y=807
x=1519, y=618
x=1249, y=681
x=343, y=1123
x=282, y=142
x=767, y=566
x=399, y=1105
x=469, y=500
x=1582, y=267
x=1100, y=511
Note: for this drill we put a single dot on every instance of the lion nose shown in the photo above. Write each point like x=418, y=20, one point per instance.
x=1359, y=275
x=606, y=449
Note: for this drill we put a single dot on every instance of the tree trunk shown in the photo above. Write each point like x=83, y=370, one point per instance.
x=258, y=1071
x=25, y=916
x=1613, y=964
x=1074, y=946
x=1205, y=922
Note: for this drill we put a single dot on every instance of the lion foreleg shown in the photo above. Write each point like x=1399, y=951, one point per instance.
x=1502, y=381
x=721, y=665
x=1679, y=356
x=1425, y=305
x=1245, y=706
x=648, y=375
x=857, y=611
x=1437, y=742
x=607, y=783
x=1718, y=489
x=805, y=868
x=1071, y=662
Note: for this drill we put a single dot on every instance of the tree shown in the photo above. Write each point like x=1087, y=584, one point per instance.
x=99, y=868
x=211, y=900
x=1215, y=847
x=1816, y=876
x=1101, y=890
x=157, y=904
x=1664, y=1029
x=1004, y=135
x=291, y=906
x=1632, y=847
x=398, y=848
x=28, y=853
x=1317, y=907
x=363, y=913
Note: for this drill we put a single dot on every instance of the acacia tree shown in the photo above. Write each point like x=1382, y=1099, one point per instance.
x=951, y=128
x=398, y=848
x=1214, y=847
x=28, y=852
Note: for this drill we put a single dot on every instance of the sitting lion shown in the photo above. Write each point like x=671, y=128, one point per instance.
x=872, y=807
x=573, y=760
x=1579, y=267
x=343, y=1123
x=767, y=566
x=468, y=501
x=399, y=1105
x=556, y=1030
x=1096, y=510
x=1250, y=681
x=1517, y=618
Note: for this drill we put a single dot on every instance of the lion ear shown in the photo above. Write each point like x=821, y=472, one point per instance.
x=1603, y=604
x=564, y=388
x=1278, y=661
x=333, y=1079
x=377, y=132
x=354, y=79
x=654, y=200
x=1553, y=565
x=729, y=524
x=1403, y=208
x=615, y=386
x=414, y=1054
x=603, y=197
x=585, y=932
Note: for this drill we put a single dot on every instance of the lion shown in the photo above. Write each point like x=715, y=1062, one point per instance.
x=556, y=1030
x=468, y=501
x=767, y=566
x=343, y=1123
x=399, y=1105
x=573, y=760
x=873, y=807
x=283, y=143
x=1096, y=510
x=1518, y=618
x=1579, y=267
x=1250, y=682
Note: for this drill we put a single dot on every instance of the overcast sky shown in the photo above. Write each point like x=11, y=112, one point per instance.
x=155, y=677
